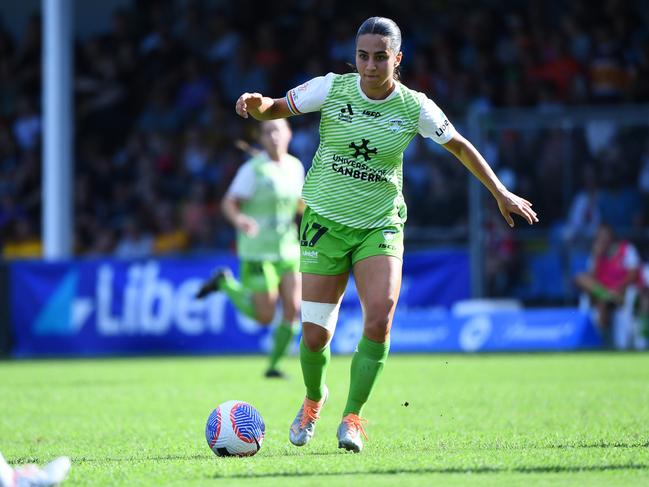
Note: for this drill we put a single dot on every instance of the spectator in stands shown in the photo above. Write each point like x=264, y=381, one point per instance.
x=27, y=66
x=613, y=268
x=27, y=126
x=609, y=77
x=502, y=260
x=196, y=154
x=619, y=201
x=194, y=90
x=134, y=242
x=25, y=243
x=168, y=68
x=159, y=114
x=643, y=176
x=195, y=212
x=170, y=238
x=584, y=217
x=103, y=244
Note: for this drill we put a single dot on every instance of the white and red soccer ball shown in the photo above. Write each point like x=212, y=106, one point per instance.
x=235, y=428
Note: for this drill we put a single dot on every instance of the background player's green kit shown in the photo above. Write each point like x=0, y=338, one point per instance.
x=269, y=192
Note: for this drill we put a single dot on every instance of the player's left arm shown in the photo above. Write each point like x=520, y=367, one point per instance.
x=508, y=202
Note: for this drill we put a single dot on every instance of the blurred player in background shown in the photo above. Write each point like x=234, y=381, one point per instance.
x=642, y=307
x=262, y=203
x=356, y=211
x=33, y=476
x=614, y=266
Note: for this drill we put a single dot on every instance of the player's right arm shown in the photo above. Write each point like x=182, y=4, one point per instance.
x=231, y=208
x=262, y=107
x=306, y=98
x=241, y=189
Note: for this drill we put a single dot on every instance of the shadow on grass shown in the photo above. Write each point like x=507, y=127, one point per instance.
x=450, y=470
x=163, y=458
x=556, y=446
x=302, y=453
x=158, y=458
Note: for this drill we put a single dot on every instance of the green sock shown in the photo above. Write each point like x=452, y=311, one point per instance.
x=314, y=370
x=367, y=365
x=282, y=337
x=239, y=295
x=601, y=293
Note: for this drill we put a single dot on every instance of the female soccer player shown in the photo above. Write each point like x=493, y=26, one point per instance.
x=262, y=203
x=355, y=209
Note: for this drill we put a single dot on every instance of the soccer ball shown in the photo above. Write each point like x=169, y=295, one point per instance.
x=235, y=428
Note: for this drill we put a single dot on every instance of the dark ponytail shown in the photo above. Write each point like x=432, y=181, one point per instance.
x=386, y=28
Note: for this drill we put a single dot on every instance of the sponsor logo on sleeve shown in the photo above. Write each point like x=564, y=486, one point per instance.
x=440, y=131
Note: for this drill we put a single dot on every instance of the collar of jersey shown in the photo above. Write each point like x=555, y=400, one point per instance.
x=267, y=158
x=396, y=90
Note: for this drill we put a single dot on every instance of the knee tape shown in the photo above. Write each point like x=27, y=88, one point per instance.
x=321, y=314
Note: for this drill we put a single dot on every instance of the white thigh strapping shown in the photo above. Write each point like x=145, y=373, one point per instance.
x=321, y=314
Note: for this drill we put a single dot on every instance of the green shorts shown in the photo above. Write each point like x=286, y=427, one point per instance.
x=328, y=248
x=265, y=275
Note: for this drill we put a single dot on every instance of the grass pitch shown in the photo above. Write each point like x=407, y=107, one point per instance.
x=575, y=419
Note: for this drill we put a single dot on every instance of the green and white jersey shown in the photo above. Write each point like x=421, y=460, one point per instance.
x=356, y=178
x=269, y=192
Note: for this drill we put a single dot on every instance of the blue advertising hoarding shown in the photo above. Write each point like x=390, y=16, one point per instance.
x=113, y=307
x=424, y=330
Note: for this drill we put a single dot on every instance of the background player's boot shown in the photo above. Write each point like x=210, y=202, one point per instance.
x=349, y=433
x=303, y=426
x=275, y=374
x=213, y=283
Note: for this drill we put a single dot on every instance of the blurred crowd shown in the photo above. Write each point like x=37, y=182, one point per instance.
x=155, y=128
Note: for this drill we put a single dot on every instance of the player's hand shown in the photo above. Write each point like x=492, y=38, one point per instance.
x=509, y=203
x=247, y=102
x=247, y=225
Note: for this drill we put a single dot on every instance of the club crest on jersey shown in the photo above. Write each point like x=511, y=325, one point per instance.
x=346, y=113
x=396, y=125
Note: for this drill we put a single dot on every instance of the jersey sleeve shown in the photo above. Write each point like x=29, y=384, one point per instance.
x=309, y=96
x=433, y=123
x=243, y=185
